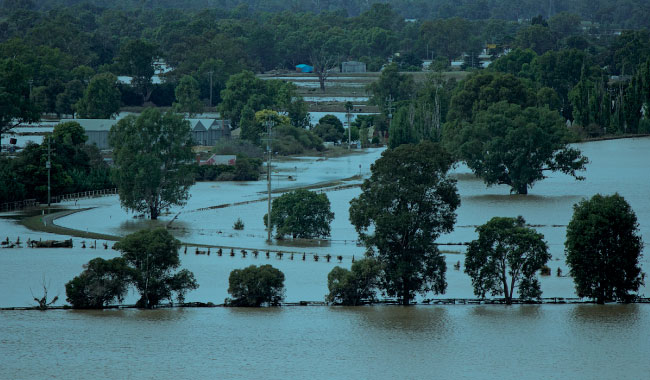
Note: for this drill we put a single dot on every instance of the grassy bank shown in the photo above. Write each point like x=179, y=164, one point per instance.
x=45, y=223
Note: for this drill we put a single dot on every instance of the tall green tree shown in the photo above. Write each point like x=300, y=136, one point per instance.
x=153, y=155
x=243, y=90
x=603, y=247
x=301, y=214
x=15, y=105
x=510, y=145
x=480, y=91
x=101, y=99
x=405, y=205
x=66, y=100
x=401, y=130
x=329, y=128
x=506, y=255
x=135, y=59
x=391, y=85
x=153, y=258
x=254, y=286
x=187, y=96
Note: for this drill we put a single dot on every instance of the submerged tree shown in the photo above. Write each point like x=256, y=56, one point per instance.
x=506, y=255
x=301, y=214
x=255, y=286
x=101, y=283
x=355, y=286
x=603, y=248
x=153, y=258
x=406, y=204
x=153, y=157
x=510, y=145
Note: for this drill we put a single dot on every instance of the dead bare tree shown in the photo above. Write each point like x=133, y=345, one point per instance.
x=323, y=64
x=43, y=304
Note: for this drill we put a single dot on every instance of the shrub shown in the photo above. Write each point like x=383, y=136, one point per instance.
x=239, y=225
x=254, y=286
x=356, y=286
x=301, y=214
x=101, y=283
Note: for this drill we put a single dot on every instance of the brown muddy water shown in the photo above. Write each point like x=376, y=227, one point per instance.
x=381, y=342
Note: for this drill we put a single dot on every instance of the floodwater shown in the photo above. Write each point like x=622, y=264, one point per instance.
x=382, y=342
x=336, y=98
x=616, y=166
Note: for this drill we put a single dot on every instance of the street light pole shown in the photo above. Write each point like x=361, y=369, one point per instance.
x=348, y=108
x=48, y=165
x=389, y=101
x=268, y=177
x=210, y=72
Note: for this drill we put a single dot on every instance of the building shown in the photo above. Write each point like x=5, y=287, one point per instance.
x=208, y=131
x=219, y=159
x=204, y=131
x=97, y=131
x=353, y=67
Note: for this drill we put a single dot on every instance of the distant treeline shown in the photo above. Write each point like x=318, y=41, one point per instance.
x=614, y=13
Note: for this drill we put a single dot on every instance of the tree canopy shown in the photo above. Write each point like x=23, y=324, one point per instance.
x=254, y=286
x=405, y=205
x=187, y=96
x=101, y=283
x=301, y=214
x=506, y=255
x=153, y=258
x=101, y=99
x=511, y=145
x=15, y=105
x=355, y=286
x=152, y=154
x=603, y=247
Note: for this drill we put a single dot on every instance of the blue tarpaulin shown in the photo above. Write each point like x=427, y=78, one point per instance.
x=304, y=68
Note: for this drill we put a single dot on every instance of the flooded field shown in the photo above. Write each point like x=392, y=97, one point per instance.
x=380, y=342
x=421, y=342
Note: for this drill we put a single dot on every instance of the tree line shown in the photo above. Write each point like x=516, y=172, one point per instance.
x=61, y=49
x=615, y=13
x=398, y=217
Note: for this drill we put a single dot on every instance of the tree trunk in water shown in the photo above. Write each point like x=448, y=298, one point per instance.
x=523, y=190
x=321, y=81
x=506, y=293
x=405, y=295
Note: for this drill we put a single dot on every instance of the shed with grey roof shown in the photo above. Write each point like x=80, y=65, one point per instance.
x=97, y=131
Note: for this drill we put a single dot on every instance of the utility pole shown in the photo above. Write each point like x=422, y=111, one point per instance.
x=211, y=72
x=268, y=124
x=48, y=166
x=348, y=108
x=390, y=109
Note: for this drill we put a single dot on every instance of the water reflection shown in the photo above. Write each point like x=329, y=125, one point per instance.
x=425, y=319
x=606, y=314
x=136, y=315
x=502, y=312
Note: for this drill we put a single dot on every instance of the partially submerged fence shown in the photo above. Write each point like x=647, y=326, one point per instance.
x=27, y=203
x=83, y=195
x=12, y=206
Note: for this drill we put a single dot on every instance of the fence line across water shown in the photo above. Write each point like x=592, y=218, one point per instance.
x=29, y=203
